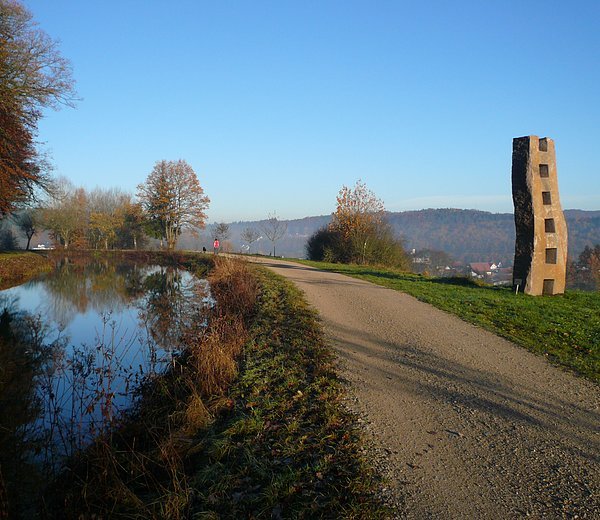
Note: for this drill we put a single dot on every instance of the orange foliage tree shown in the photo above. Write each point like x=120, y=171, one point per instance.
x=19, y=171
x=173, y=200
x=358, y=232
x=33, y=76
x=358, y=218
x=358, y=212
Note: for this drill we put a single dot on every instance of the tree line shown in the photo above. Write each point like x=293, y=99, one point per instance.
x=168, y=202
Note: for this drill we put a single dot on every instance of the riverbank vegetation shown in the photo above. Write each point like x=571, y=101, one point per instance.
x=18, y=267
x=248, y=423
x=565, y=329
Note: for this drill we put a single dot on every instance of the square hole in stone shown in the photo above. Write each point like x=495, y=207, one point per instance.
x=546, y=198
x=549, y=226
x=543, y=145
x=548, y=287
x=551, y=254
x=544, y=170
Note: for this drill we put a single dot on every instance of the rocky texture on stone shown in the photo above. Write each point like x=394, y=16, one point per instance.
x=541, y=230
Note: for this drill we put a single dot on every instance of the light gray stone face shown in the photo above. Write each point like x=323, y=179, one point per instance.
x=541, y=244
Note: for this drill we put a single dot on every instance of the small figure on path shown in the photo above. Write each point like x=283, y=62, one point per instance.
x=203, y=249
x=216, y=246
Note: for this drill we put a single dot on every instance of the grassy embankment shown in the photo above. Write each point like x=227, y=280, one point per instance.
x=17, y=267
x=248, y=424
x=564, y=328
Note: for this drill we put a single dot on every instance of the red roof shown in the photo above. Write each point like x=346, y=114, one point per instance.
x=481, y=267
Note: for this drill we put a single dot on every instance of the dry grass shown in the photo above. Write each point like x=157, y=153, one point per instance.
x=234, y=288
x=18, y=267
x=138, y=471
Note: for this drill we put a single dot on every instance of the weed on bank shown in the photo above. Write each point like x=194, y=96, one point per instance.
x=18, y=267
x=248, y=423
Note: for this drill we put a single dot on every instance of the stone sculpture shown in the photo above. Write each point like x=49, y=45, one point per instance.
x=541, y=241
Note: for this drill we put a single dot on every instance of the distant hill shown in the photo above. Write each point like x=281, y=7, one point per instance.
x=467, y=235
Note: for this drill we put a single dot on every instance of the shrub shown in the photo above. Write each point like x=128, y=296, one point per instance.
x=323, y=244
x=377, y=246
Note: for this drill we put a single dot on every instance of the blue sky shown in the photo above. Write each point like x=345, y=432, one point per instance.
x=278, y=104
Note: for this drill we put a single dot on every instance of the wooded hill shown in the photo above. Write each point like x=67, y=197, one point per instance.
x=467, y=235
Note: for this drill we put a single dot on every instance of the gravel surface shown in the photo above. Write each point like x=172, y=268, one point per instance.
x=463, y=423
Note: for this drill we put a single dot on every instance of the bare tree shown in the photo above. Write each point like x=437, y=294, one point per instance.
x=26, y=222
x=250, y=235
x=274, y=229
x=173, y=200
x=222, y=231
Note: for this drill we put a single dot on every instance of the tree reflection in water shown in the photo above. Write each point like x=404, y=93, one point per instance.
x=74, y=346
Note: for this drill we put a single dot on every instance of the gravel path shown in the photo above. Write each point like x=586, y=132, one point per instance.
x=470, y=425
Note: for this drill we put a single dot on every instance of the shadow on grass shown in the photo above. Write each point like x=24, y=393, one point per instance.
x=461, y=281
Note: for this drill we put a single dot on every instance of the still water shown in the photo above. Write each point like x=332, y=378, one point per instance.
x=74, y=347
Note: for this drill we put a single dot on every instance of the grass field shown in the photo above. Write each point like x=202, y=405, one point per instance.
x=566, y=328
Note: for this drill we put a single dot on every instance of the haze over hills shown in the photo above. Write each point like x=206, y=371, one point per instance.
x=467, y=235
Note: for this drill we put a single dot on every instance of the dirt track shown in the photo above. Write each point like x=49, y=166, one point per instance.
x=472, y=426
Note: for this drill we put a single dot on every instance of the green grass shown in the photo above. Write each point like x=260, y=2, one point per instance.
x=289, y=449
x=565, y=329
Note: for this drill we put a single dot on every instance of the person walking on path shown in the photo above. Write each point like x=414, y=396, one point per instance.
x=216, y=246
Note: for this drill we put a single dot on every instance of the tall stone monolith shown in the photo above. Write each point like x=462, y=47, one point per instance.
x=541, y=244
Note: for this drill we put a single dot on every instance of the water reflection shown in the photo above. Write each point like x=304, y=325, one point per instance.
x=73, y=347
x=22, y=356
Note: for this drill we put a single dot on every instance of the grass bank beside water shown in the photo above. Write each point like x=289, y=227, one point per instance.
x=248, y=423
x=17, y=267
x=565, y=329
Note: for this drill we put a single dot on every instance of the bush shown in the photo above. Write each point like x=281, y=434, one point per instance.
x=324, y=244
x=8, y=242
x=378, y=246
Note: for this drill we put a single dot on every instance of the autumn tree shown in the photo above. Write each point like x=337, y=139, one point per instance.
x=274, y=229
x=106, y=217
x=27, y=224
x=358, y=216
x=33, y=76
x=358, y=232
x=65, y=216
x=250, y=235
x=132, y=231
x=173, y=200
x=19, y=171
